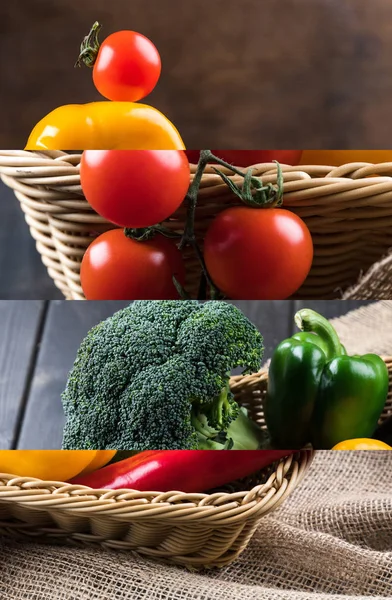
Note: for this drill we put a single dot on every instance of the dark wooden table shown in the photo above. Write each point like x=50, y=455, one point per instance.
x=38, y=345
x=236, y=73
x=22, y=274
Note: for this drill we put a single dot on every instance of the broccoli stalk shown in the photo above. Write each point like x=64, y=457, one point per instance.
x=246, y=434
x=217, y=414
x=233, y=429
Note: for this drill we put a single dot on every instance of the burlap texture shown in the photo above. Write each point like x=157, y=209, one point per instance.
x=367, y=329
x=375, y=283
x=331, y=539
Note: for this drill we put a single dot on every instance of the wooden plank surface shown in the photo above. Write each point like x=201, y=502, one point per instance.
x=22, y=274
x=68, y=322
x=66, y=325
x=273, y=319
x=236, y=73
x=20, y=324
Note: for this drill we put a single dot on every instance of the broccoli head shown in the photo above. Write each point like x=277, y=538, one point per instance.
x=155, y=375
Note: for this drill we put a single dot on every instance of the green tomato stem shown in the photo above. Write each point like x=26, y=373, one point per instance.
x=89, y=47
x=183, y=294
x=189, y=238
x=147, y=233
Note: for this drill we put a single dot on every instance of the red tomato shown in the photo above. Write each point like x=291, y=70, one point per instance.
x=127, y=67
x=246, y=158
x=135, y=188
x=115, y=267
x=258, y=253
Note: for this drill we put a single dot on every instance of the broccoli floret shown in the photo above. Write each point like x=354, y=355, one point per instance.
x=155, y=375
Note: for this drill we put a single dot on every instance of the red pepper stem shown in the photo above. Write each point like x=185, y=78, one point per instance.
x=308, y=320
x=89, y=47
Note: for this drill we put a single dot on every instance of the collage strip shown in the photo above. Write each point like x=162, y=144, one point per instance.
x=196, y=349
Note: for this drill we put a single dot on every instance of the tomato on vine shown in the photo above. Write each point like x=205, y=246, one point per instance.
x=135, y=188
x=258, y=253
x=116, y=267
x=126, y=66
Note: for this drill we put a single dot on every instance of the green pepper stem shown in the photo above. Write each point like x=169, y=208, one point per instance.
x=308, y=320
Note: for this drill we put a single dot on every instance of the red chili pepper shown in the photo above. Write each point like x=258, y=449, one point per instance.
x=185, y=470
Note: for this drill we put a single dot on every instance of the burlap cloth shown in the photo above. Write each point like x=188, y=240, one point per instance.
x=375, y=283
x=331, y=539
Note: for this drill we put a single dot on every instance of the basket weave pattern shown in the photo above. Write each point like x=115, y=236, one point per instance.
x=197, y=530
x=208, y=530
x=348, y=210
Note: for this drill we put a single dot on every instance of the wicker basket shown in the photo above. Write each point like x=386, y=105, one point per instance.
x=348, y=212
x=197, y=530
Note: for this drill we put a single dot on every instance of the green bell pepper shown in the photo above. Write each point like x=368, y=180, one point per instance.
x=319, y=395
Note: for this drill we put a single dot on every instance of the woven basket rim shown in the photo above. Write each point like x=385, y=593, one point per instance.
x=347, y=209
x=35, y=494
x=12, y=161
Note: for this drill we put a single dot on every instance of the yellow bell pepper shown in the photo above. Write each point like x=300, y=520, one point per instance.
x=102, y=457
x=335, y=158
x=362, y=444
x=105, y=126
x=51, y=465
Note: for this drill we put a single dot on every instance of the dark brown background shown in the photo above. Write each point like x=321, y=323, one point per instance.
x=236, y=73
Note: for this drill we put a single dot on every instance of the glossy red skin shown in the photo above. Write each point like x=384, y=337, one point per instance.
x=127, y=68
x=258, y=253
x=185, y=470
x=246, y=158
x=135, y=188
x=115, y=267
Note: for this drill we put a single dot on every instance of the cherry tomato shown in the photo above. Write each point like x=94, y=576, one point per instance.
x=135, y=188
x=335, y=158
x=246, y=158
x=116, y=267
x=258, y=253
x=127, y=67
